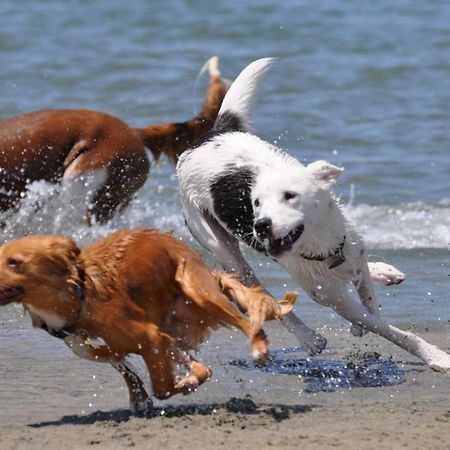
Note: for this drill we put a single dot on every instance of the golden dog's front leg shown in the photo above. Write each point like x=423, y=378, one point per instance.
x=161, y=356
x=80, y=344
x=198, y=374
x=255, y=301
x=259, y=305
x=140, y=401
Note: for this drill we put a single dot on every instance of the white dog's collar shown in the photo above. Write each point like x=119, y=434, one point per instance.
x=336, y=256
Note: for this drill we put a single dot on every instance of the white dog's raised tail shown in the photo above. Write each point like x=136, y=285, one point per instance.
x=239, y=100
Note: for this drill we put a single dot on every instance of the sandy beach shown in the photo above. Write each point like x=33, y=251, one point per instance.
x=362, y=85
x=66, y=402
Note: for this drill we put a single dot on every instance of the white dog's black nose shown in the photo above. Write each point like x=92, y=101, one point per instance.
x=263, y=227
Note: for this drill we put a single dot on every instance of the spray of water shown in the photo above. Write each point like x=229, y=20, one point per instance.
x=61, y=209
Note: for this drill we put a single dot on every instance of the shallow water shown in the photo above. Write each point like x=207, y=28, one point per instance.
x=365, y=86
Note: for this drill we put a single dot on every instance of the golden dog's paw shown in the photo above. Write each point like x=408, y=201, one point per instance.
x=187, y=384
x=141, y=408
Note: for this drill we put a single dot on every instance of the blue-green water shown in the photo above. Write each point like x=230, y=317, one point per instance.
x=365, y=85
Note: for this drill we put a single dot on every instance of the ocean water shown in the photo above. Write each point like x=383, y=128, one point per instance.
x=365, y=85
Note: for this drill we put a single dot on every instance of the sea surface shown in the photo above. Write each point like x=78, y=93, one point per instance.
x=364, y=85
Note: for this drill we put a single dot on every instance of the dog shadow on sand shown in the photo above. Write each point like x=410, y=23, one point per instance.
x=235, y=406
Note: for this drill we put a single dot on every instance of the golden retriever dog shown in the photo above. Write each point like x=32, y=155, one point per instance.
x=64, y=144
x=141, y=292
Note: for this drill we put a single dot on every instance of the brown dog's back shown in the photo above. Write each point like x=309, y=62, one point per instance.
x=67, y=143
x=143, y=267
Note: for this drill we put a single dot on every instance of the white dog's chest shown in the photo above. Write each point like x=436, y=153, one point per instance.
x=316, y=277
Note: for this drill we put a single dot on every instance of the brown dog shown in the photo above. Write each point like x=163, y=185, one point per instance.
x=141, y=292
x=54, y=144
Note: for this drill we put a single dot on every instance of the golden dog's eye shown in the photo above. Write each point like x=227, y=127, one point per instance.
x=13, y=263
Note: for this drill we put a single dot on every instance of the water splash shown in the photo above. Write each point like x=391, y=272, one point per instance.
x=49, y=208
x=52, y=209
x=332, y=375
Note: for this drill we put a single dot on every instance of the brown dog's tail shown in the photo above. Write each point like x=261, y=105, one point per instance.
x=172, y=139
x=257, y=303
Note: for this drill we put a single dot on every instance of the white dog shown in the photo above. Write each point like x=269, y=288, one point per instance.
x=236, y=188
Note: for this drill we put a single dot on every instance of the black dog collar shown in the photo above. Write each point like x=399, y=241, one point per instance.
x=336, y=256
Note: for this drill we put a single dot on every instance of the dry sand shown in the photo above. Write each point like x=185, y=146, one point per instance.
x=52, y=400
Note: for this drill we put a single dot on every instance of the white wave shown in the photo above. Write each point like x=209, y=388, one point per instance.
x=404, y=226
x=47, y=210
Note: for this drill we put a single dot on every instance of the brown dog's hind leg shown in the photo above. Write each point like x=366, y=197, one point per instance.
x=255, y=301
x=198, y=284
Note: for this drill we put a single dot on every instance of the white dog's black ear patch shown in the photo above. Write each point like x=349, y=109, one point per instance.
x=231, y=194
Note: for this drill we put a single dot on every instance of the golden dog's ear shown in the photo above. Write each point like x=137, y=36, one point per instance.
x=56, y=256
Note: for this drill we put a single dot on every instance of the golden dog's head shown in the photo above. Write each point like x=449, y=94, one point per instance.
x=43, y=273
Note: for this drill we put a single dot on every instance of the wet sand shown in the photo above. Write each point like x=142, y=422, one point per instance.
x=50, y=399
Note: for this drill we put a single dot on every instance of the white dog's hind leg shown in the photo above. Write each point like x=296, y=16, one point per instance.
x=386, y=274
x=355, y=312
x=379, y=272
x=225, y=247
x=368, y=299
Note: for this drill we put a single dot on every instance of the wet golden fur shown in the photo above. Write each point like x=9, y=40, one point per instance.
x=141, y=292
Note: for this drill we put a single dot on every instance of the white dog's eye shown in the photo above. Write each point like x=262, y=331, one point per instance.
x=256, y=202
x=288, y=195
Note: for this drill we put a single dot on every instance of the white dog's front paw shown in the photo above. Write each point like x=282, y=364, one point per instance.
x=438, y=360
x=314, y=344
x=310, y=341
x=386, y=274
x=358, y=330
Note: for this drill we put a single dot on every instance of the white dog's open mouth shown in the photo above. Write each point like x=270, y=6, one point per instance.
x=275, y=247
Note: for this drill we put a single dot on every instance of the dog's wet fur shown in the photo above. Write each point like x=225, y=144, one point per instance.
x=139, y=292
x=235, y=187
x=65, y=145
